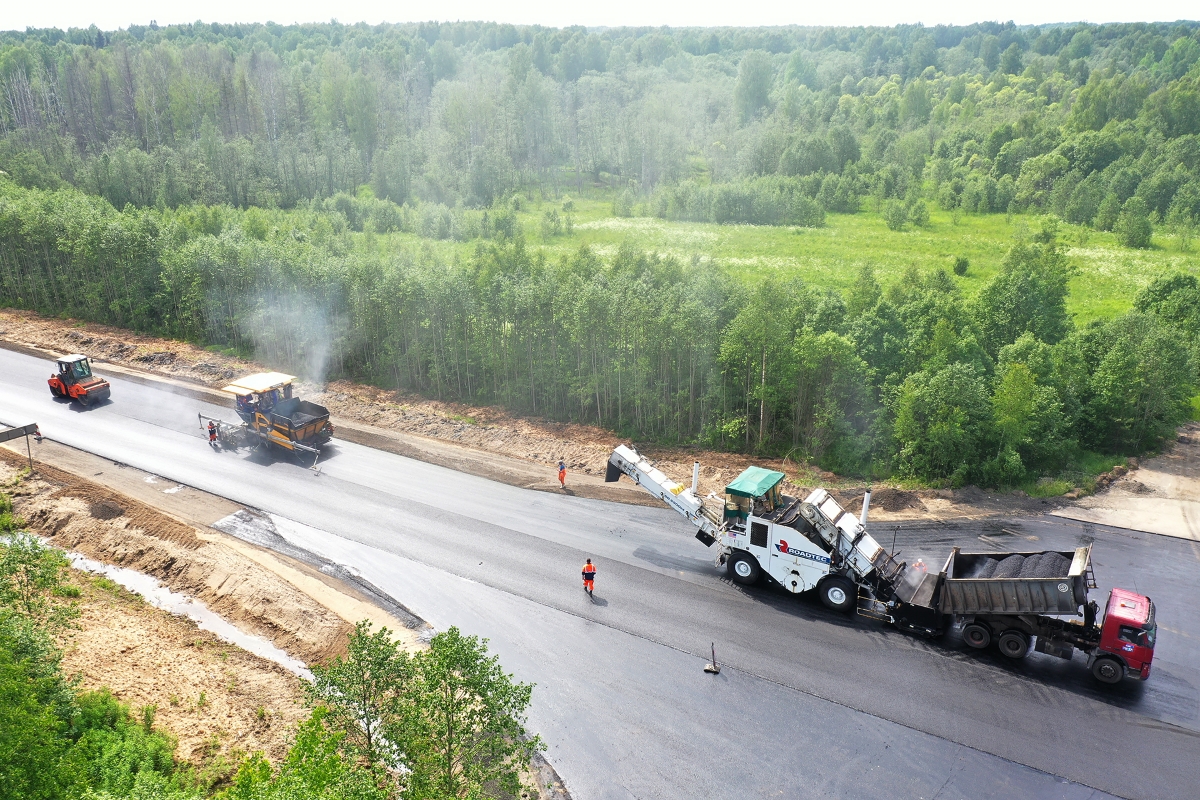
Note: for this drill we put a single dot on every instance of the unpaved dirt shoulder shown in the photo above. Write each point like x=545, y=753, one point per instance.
x=216, y=699
x=255, y=594
x=1161, y=495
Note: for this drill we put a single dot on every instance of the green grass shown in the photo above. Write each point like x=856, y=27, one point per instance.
x=107, y=584
x=1108, y=276
x=1050, y=488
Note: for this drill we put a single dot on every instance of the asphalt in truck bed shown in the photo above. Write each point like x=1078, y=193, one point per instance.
x=808, y=703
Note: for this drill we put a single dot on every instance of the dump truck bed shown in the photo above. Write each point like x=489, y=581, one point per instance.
x=1041, y=582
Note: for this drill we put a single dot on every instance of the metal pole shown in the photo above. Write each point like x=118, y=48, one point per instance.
x=29, y=453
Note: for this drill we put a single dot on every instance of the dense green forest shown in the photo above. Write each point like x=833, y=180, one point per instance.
x=281, y=190
x=384, y=724
x=1075, y=119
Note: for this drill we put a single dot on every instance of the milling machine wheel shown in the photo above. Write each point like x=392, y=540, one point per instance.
x=837, y=593
x=743, y=568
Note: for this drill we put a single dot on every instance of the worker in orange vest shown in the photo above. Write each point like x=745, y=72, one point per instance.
x=562, y=474
x=212, y=434
x=589, y=576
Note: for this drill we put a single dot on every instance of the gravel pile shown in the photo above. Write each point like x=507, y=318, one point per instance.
x=1009, y=567
x=1053, y=565
x=1030, y=566
x=988, y=569
x=1038, y=565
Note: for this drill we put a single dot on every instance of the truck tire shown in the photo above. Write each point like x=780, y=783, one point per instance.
x=976, y=635
x=743, y=568
x=1013, y=644
x=1107, y=669
x=837, y=593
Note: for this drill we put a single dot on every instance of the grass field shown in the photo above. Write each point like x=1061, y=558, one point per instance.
x=1108, y=275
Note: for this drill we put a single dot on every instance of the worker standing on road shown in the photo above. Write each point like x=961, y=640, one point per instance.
x=589, y=576
x=212, y=434
x=562, y=476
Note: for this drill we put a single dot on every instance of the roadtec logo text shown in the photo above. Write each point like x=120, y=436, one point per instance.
x=783, y=548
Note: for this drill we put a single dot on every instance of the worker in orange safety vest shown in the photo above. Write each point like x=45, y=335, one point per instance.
x=589, y=576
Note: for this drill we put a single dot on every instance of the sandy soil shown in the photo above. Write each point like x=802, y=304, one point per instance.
x=216, y=699
x=1161, y=496
x=83, y=517
x=488, y=441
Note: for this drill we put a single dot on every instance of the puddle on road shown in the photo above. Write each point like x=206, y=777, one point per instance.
x=160, y=596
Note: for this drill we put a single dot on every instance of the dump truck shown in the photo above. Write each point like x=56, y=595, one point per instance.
x=272, y=417
x=75, y=381
x=1011, y=599
x=1041, y=597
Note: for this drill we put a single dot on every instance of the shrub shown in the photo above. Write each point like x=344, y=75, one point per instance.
x=1133, y=227
x=960, y=265
x=918, y=215
x=895, y=215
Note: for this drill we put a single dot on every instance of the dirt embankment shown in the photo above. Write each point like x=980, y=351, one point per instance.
x=486, y=440
x=86, y=518
x=216, y=699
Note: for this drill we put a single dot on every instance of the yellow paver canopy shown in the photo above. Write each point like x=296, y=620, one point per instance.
x=258, y=382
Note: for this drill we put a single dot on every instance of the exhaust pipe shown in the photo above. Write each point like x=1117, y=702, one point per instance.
x=695, y=477
x=862, y=518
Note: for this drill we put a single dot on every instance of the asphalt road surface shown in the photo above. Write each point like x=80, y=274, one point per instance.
x=808, y=703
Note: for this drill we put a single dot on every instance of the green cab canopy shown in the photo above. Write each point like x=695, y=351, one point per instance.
x=754, y=482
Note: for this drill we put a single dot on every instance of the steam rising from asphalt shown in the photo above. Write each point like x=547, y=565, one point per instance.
x=295, y=330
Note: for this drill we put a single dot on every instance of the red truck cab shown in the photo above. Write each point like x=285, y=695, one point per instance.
x=1126, y=638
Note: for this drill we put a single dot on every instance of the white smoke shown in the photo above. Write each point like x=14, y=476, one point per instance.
x=294, y=330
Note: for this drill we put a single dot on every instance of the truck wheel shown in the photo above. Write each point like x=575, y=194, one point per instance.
x=837, y=593
x=743, y=568
x=84, y=400
x=1108, y=670
x=976, y=635
x=1013, y=644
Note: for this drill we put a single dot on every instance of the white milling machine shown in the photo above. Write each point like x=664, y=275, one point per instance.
x=799, y=544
